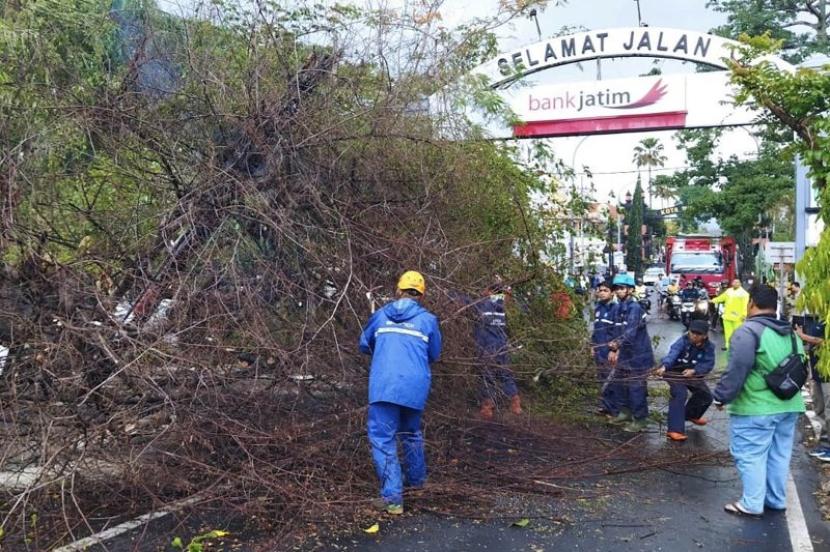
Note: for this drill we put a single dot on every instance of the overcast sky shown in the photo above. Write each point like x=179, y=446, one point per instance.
x=609, y=157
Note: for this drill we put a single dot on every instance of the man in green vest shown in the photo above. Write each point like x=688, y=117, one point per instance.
x=762, y=426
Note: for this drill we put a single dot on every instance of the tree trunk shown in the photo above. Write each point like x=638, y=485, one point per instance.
x=746, y=254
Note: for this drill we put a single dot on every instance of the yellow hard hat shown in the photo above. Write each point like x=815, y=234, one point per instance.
x=412, y=280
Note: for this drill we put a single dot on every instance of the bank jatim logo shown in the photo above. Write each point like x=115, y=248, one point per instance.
x=651, y=97
x=603, y=98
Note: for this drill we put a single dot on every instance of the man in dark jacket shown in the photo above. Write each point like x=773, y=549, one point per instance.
x=689, y=293
x=631, y=356
x=812, y=334
x=762, y=425
x=403, y=339
x=690, y=358
x=492, y=344
x=605, y=331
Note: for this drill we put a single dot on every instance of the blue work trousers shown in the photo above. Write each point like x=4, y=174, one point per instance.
x=679, y=409
x=497, y=376
x=629, y=390
x=387, y=423
x=607, y=399
x=762, y=447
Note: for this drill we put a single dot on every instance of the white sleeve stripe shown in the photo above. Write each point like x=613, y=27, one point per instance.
x=404, y=331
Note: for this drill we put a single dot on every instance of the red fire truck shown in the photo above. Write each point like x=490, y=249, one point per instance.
x=712, y=258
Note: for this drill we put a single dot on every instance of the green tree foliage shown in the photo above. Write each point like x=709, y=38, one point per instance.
x=801, y=101
x=742, y=195
x=259, y=171
x=634, y=237
x=800, y=25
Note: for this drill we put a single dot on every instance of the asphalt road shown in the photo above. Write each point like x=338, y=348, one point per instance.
x=677, y=510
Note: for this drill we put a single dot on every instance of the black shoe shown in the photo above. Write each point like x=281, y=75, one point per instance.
x=723, y=348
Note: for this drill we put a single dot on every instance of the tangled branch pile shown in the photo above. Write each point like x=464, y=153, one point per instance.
x=193, y=215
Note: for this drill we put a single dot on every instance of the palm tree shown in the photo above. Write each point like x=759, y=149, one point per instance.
x=649, y=153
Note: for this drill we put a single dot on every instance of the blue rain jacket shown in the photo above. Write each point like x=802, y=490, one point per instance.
x=491, y=327
x=490, y=332
x=635, y=352
x=683, y=354
x=605, y=329
x=403, y=339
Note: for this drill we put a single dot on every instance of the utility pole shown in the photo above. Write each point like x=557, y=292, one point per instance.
x=640, y=15
x=532, y=14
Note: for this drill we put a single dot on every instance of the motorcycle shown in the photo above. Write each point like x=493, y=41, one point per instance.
x=702, y=307
x=687, y=309
x=644, y=301
x=674, y=304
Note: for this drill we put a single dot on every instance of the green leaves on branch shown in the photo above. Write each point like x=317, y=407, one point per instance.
x=801, y=101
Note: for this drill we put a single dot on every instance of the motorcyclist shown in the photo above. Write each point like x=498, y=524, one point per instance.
x=673, y=287
x=640, y=290
x=689, y=293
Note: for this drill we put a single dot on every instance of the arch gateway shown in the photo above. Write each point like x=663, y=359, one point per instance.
x=646, y=103
x=661, y=102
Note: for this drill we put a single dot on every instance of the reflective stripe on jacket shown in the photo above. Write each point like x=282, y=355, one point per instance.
x=403, y=339
x=735, y=303
x=605, y=329
x=683, y=354
x=635, y=351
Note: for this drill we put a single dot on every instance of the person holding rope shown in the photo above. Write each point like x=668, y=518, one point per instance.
x=604, y=332
x=631, y=357
x=690, y=358
x=403, y=339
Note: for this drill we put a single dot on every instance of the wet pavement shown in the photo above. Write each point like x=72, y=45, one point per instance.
x=676, y=509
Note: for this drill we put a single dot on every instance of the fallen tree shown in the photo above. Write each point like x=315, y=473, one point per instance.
x=196, y=210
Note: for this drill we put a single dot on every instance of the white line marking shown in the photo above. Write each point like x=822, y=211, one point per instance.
x=796, y=524
x=112, y=532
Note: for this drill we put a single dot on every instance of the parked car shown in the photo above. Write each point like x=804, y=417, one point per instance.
x=653, y=275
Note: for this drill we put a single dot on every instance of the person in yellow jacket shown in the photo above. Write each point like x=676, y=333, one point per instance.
x=735, y=302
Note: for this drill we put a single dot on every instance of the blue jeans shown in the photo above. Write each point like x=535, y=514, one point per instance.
x=387, y=423
x=762, y=447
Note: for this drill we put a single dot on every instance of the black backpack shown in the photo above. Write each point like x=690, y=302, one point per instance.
x=789, y=376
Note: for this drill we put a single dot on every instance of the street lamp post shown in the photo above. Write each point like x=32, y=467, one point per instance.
x=580, y=237
x=625, y=205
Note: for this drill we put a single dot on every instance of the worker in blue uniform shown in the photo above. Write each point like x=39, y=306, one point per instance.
x=404, y=339
x=631, y=357
x=604, y=332
x=685, y=366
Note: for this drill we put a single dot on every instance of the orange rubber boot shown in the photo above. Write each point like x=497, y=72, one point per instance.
x=515, y=405
x=487, y=408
